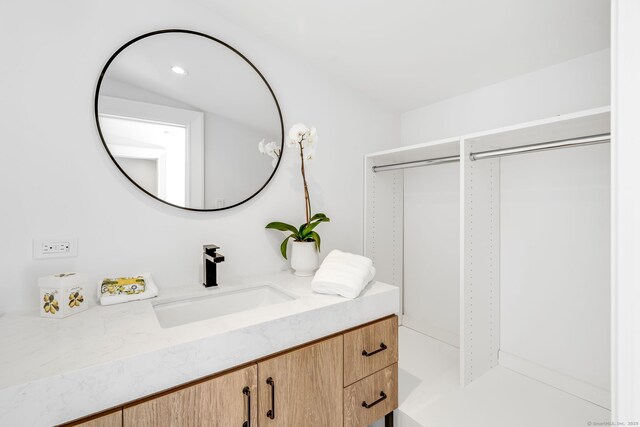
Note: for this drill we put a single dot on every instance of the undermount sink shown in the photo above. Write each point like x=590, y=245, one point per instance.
x=220, y=303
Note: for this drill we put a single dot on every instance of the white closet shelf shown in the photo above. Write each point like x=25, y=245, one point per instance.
x=583, y=123
x=440, y=148
x=589, y=122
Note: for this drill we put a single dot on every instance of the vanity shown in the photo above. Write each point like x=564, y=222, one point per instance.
x=304, y=359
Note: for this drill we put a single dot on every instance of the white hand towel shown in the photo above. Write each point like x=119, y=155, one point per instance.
x=115, y=294
x=343, y=273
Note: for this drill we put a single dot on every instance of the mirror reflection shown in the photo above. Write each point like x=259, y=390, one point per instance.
x=186, y=117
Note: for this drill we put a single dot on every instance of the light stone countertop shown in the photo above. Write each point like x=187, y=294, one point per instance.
x=57, y=370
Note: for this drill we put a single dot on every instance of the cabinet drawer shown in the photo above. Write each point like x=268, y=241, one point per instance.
x=371, y=398
x=369, y=349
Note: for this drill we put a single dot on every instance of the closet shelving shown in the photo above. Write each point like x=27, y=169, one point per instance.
x=506, y=258
x=398, y=227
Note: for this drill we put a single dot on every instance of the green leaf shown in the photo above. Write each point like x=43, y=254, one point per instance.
x=319, y=216
x=316, y=238
x=282, y=227
x=305, y=232
x=283, y=246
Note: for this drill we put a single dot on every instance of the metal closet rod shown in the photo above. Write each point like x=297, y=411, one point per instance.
x=531, y=148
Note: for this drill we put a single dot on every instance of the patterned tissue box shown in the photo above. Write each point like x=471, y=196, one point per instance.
x=62, y=295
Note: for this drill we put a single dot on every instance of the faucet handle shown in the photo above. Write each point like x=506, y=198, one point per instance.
x=210, y=249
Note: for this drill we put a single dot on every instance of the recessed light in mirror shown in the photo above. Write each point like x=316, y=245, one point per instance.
x=179, y=70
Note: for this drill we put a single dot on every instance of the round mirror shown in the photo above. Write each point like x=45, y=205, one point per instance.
x=187, y=118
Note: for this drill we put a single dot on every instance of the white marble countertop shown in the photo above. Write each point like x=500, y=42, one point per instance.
x=57, y=370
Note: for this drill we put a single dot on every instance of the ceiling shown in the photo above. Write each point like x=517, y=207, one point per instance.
x=218, y=81
x=409, y=53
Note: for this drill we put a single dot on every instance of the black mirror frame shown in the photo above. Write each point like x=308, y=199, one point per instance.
x=153, y=33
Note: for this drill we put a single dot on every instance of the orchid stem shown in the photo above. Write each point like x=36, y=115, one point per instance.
x=307, y=201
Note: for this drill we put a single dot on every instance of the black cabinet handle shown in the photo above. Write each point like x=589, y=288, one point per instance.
x=372, y=404
x=383, y=346
x=247, y=392
x=271, y=413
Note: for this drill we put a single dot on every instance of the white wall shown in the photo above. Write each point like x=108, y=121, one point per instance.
x=432, y=251
x=626, y=214
x=575, y=85
x=142, y=171
x=555, y=261
x=57, y=180
x=234, y=168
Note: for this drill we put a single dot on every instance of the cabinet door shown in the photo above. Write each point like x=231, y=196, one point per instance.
x=111, y=419
x=302, y=387
x=222, y=401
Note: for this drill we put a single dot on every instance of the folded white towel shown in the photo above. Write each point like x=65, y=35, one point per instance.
x=124, y=289
x=343, y=273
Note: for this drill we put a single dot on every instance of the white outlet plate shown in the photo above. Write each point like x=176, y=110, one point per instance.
x=55, y=248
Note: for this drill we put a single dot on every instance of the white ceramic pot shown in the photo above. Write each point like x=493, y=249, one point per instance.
x=304, y=258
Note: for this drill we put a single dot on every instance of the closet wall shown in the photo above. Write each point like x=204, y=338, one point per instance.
x=555, y=261
x=575, y=85
x=432, y=251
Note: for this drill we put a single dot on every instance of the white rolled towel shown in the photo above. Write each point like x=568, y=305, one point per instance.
x=343, y=273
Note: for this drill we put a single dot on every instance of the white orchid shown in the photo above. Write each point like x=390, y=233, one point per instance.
x=297, y=134
x=313, y=136
x=270, y=149
x=304, y=139
x=302, y=136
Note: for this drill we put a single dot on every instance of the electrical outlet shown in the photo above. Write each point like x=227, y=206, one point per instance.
x=54, y=248
x=219, y=203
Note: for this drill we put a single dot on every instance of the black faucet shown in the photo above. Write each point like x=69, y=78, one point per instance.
x=209, y=270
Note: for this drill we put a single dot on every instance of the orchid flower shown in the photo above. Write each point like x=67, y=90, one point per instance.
x=270, y=149
x=304, y=139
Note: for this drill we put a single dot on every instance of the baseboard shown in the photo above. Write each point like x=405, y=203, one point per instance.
x=569, y=384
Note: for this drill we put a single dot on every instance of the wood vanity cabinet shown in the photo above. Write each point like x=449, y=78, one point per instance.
x=302, y=387
x=348, y=379
x=225, y=400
